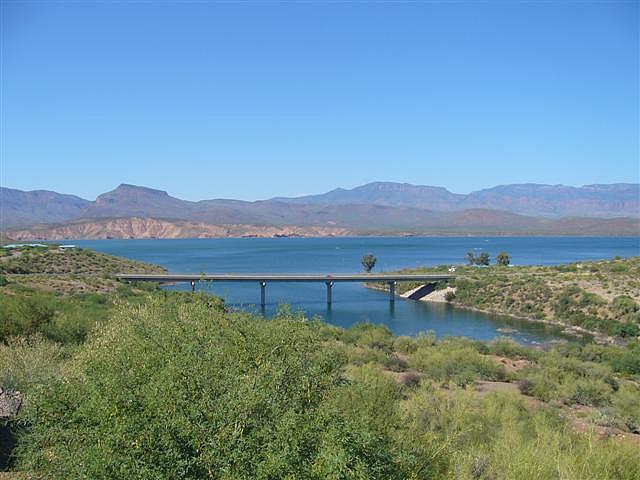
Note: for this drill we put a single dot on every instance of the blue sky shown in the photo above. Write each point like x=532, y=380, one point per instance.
x=259, y=99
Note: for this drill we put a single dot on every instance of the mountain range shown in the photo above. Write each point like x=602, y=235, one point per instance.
x=375, y=208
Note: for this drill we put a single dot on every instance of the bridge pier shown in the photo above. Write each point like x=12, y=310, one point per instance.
x=392, y=291
x=262, y=287
x=329, y=293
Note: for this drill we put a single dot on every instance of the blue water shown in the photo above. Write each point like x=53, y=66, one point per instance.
x=351, y=302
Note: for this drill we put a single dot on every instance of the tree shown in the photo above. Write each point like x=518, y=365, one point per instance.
x=482, y=259
x=471, y=258
x=503, y=259
x=368, y=262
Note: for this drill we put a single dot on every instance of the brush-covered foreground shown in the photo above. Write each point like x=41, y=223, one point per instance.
x=602, y=296
x=174, y=386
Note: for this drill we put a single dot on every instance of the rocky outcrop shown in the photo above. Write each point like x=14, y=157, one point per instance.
x=138, y=227
x=10, y=403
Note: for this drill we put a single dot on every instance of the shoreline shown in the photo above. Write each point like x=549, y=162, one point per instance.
x=573, y=330
x=437, y=234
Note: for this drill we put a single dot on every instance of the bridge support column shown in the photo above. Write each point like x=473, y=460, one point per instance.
x=262, y=287
x=262, y=296
x=392, y=291
x=329, y=294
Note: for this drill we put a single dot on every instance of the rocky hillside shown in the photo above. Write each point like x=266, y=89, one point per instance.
x=480, y=222
x=75, y=261
x=156, y=228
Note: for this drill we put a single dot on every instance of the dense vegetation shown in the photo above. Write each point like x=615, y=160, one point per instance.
x=134, y=383
x=179, y=388
x=597, y=296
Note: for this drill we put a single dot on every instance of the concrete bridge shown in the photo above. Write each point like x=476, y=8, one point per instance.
x=263, y=278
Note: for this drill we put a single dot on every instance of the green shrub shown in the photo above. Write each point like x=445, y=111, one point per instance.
x=570, y=380
x=460, y=363
x=179, y=389
x=627, y=360
x=24, y=315
x=507, y=347
x=590, y=392
x=624, y=306
x=405, y=344
x=425, y=339
x=28, y=362
x=370, y=335
x=359, y=356
x=626, y=329
x=626, y=405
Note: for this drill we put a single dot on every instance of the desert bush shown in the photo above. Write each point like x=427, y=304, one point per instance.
x=29, y=361
x=370, y=335
x=176, y=389
x=626, y=329
x=507, y=347
x=362, y=355
x=570, y=380
x=590, y=392
x=459, y=363
x=627, y=360
x=425, y=339
x=626, y=308
x=23, y=315
x=626, y=406
x=405, y=344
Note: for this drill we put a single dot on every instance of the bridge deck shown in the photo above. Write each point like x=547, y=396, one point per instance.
x=269, y=277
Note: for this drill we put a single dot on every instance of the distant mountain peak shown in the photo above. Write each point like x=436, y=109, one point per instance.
x=377, y=203
x=126, y=192
x=128, y=187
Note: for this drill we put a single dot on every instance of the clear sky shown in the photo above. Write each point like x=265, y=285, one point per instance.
x=257, y=99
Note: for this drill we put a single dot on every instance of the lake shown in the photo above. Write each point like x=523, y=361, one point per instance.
x=351, y=302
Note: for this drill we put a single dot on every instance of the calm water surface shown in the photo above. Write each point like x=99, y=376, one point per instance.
x=351, y=302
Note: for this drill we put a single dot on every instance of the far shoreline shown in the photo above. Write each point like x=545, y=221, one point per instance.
x=357, y=235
